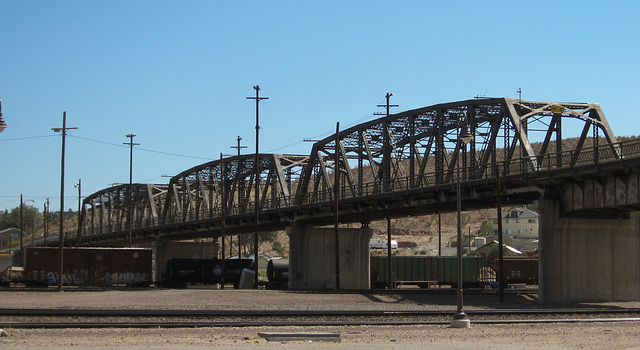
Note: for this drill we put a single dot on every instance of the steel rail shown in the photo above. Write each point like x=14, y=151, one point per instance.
x=218, y=324
x=303, y=318
x=139, y=313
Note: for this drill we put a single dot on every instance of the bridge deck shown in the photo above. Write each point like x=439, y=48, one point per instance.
x=399, y=165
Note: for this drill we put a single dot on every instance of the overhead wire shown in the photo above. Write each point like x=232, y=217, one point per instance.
x=140, y=149
x=364, y=118
x=27, y=138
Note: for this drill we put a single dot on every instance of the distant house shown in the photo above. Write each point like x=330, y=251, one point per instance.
x=9, y=235
x=517, y=223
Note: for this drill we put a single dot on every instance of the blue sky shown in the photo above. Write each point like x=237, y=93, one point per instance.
x=176, y=74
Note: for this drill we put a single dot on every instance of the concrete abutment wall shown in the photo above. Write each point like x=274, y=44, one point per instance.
x=587, y=260
x=312, y=258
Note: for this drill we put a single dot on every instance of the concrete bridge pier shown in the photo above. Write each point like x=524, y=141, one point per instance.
x=312, y=258
x=587, y=260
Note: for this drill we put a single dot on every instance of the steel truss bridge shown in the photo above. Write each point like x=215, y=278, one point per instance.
x=398, y=165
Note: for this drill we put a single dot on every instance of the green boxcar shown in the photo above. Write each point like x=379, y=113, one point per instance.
x=426, y=270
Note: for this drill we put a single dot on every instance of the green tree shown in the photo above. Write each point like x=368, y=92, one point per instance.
x=493, y=252
x=247, y=241
x=470, y=252
x=12, y=219
x=486, y=229
x=278, y=248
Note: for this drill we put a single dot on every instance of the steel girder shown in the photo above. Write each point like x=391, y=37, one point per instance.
x=194, y=195
x=416, y=150
x=203, y=192
x=107, y=210
x=419, y=148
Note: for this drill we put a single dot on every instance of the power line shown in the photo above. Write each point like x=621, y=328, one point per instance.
x=140, y=149
x=174, y=154
x=27, y=138
x=98, y=141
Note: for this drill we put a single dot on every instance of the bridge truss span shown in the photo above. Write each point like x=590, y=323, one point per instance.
x=418, y=148
x=401, y=164
x=203, y=198
x=228, y=185
x=108, y=211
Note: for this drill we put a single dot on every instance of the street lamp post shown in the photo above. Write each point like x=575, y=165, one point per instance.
x=79, y=187
x=63, y=131
x=460, y=319
x=46, y=223
x=257, y=188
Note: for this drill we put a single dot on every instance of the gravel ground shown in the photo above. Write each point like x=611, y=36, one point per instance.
x=606, y=335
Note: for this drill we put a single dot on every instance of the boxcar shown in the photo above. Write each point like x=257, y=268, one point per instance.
x=89, y=266
x=518, y=269
x=426, y=271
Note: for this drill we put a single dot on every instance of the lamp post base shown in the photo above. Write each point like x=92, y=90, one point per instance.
x=460, y=320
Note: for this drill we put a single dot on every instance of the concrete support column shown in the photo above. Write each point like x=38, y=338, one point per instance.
x=159, y=260
x=312, y=258
x=587, y=260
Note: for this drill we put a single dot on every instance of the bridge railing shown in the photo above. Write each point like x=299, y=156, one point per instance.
x=526, y=167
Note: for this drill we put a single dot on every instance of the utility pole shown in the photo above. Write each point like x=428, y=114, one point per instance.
x=21, y=229
x=386, y=161
x=336, y=190
x=130, y=211
x=386, y=146
x=387, y=106
x=500, y=236
x=223, y=219
x=238, y=147
x=63, y=131
x=257, y=188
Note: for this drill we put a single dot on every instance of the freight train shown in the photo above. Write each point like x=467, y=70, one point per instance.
x=428, y=271
x=132, y=267
x=518, y=270
x=182, y=272
x=106, y=267
x=278, y=273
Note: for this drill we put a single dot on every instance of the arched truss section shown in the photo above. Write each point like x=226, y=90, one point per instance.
x=203, y=192
x=419, y=148
x=108, y=210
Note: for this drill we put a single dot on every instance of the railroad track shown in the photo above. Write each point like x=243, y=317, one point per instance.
x=84, y=318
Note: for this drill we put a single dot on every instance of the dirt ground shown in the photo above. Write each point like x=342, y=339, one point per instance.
x=539, y=336
x=589, y=335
